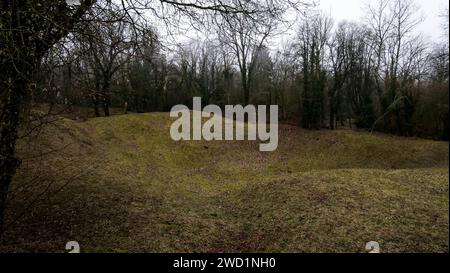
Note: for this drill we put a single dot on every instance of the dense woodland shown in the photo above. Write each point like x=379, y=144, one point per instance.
x=376, y=74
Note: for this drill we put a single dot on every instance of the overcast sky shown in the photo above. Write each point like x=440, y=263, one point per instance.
x=353, y=10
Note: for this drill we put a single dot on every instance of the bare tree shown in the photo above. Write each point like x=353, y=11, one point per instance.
x=284, y=77
x=313, y=36
x=340, y=68
x=381, y=24
x=246, y=36
x=29, y=29
x=393, y=23
x=246, y=41
x=108, y=42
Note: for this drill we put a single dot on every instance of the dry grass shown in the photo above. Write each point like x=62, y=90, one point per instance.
x=130, y=188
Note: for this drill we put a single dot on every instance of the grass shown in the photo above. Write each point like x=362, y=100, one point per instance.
x=120, y=184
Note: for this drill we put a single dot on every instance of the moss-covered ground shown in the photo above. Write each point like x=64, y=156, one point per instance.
x=120, y=184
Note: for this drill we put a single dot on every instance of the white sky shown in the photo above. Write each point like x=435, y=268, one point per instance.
x=353, y=10
x=350, y=10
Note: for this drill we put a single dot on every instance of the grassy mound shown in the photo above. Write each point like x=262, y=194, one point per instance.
x=120, y=184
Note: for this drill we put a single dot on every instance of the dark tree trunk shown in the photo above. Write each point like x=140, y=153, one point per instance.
x=333, y=109
x=14, y=98
x=96, y=97
x=246, y=87
x=332, y=116
x=21, y=49
x=105, y=95
x=95, y=101
x=106, y=105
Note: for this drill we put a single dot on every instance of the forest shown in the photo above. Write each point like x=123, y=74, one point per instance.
x=379, y=74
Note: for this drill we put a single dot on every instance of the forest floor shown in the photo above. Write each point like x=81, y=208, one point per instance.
x=120, y=184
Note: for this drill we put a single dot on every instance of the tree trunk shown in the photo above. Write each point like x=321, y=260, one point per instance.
x=105, y=95
x=95, y=101
x=106, y=105
x=21, y=49
x=9, y=123
x=246, y=90
x=96, y=97
x=332, y=116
